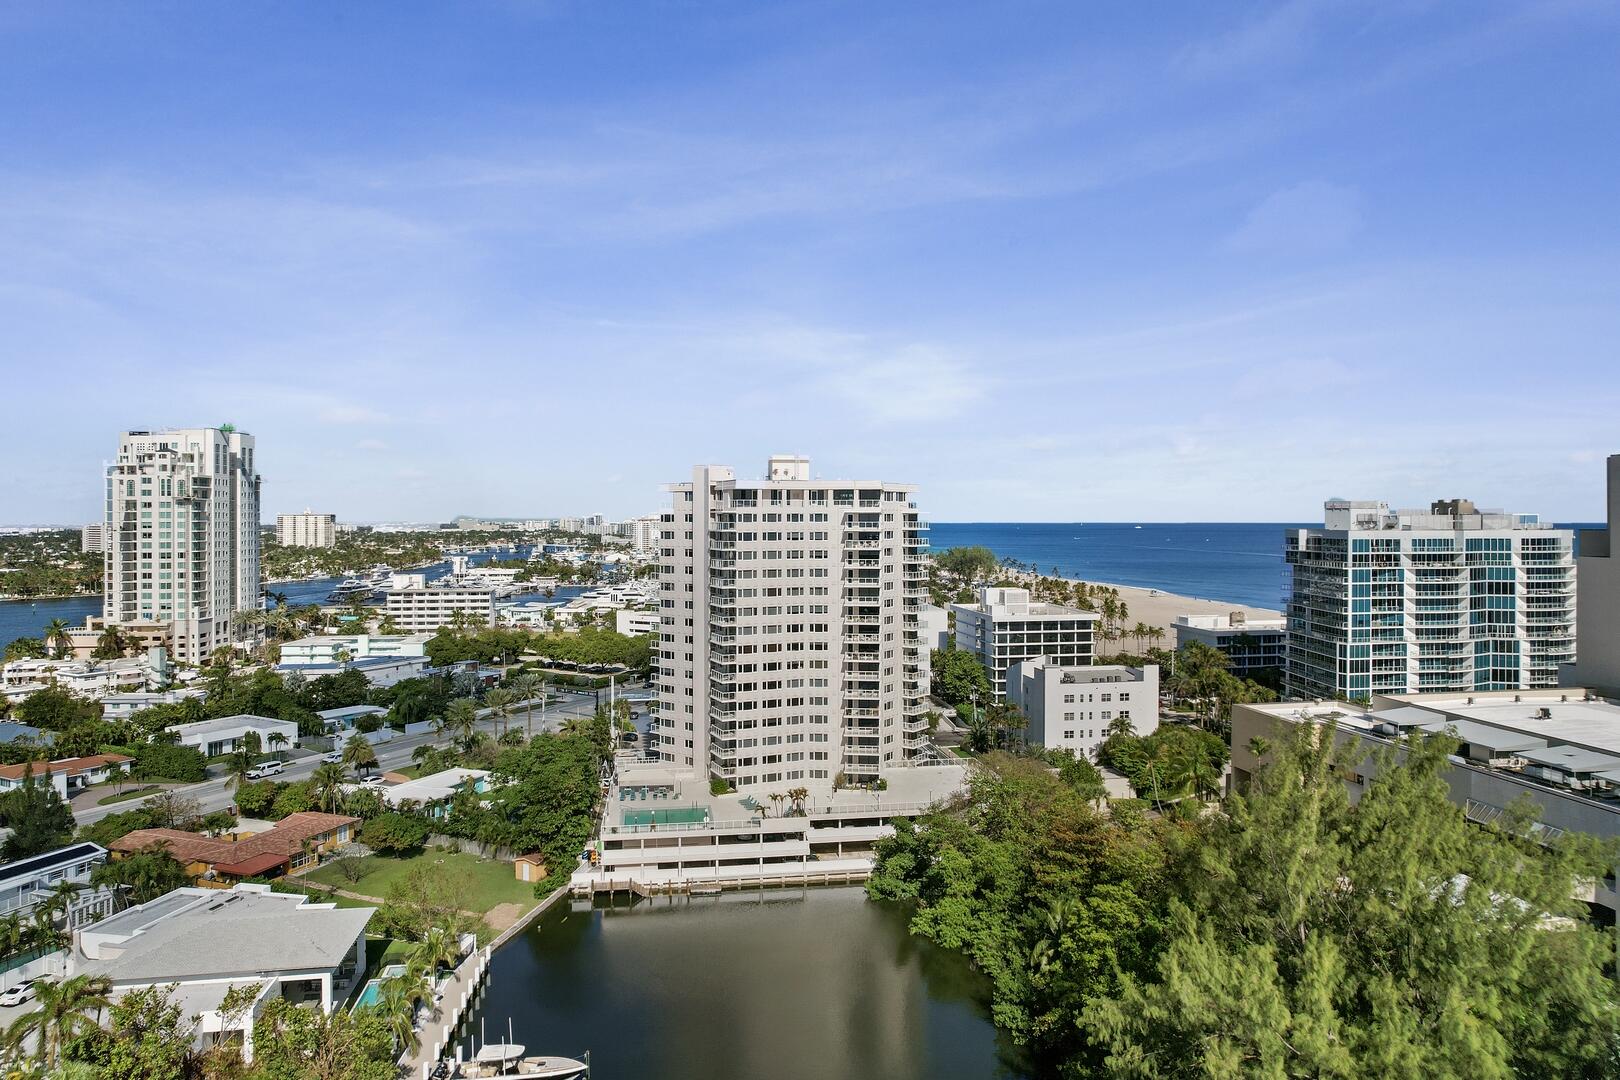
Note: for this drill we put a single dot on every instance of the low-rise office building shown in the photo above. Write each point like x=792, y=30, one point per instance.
x=205, y=943
x=1072, y=708
x=1005, y=626
x=1558, y=747
x=413, y=605
x=223, y=735
x=1255, y=647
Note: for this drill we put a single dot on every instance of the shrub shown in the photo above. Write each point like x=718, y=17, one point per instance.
x=256, y=799
x=394, y=834
x=169, y=762
x=292, y=799
x=718, y=787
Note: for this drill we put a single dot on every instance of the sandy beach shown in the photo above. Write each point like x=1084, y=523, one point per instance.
x=1155, y=607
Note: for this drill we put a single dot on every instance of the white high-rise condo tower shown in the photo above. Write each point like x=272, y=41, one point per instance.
x=1452, y=599
x=182, y=538
x=790, y=647
x=308, y=529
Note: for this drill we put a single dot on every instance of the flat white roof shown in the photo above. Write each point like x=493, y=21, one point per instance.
x=242, y=722
x=439, y=785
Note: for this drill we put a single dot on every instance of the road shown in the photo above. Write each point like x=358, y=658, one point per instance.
x=211, y=794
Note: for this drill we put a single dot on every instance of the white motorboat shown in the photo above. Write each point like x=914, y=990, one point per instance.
x=512, y=1061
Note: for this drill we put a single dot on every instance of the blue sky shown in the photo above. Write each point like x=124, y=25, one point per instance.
x=1050, y=261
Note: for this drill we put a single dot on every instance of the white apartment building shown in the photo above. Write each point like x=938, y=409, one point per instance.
x=644, y=532
x=632, y=623
x=182, y=537
x=93, y=679
x=1071, y=708
x=308, y=529
x=338, y=648
x=1252, y=645
x=1005, y=627
x=1452, y=599
x=92, y=539
x=790, y=642
x=1597, y=586
x=416, y=606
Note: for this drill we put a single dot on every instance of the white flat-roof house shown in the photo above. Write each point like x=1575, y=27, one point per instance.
x=436, y=789
x=224, y=734
x=1005, y=626
x=27, y=883
x=335, y=648
x=207, y=941
x=124, y=706
x=1070, y=708
x=629, y=622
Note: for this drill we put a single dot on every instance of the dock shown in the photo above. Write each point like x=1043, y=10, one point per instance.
x=455, y=1000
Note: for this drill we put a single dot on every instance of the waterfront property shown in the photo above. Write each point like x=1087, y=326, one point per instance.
x=797, y=656
x=27, y=883
x=1253, y=647
x=207, y=942
x=1072, y=708
x=67, y=775
x=1597, y=587
x=294, y=843
x=434, y=792
x=414, y=605
x=182, y=538
x=1560, y=748
x=338, y=648
x=223, y=735
x=93, y=679
x=1449, y=600
x=308, y=529
x=1004, y=627
x=663, y=829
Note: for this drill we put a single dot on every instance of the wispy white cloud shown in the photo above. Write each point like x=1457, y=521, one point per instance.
x=1310, y=217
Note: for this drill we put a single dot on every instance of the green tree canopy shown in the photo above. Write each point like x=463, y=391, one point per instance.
x=36, y=815
x=959, y=677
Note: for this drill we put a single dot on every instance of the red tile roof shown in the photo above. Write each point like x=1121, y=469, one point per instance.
x=285, y=839
x=71, y=766
x=256, y=865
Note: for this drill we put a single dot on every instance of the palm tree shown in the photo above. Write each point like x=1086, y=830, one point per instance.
x=277, y=740
x=237, y=769
x=397, y=1003
x=1121, y=726
x=461, y=719
x=575, y=725
x=111, y=644
x=439, y=948
x=328, y=780
x=65, y=1011
x=798, y=795
x=499, y=701
x=56, y=636
x=527, y=687
x=357, y=752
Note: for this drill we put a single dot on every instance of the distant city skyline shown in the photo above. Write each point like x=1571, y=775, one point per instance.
x=1066, y=263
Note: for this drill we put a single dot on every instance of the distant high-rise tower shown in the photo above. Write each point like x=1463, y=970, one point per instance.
x=182, y=537
x=308, y=529
x=1451, y=599
x=791, y=648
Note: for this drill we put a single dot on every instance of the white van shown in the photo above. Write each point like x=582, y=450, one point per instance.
x=265, y=768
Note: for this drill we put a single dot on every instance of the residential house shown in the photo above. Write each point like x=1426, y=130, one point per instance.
x=67, y=775
x=224, y=734
x=292, y=844
x=27, y=883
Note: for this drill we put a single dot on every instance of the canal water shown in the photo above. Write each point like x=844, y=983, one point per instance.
x=779, y=984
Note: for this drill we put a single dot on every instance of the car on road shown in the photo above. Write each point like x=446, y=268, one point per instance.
x=17, y=995
x=373, y=781
x=264, y=769
x=336, y=756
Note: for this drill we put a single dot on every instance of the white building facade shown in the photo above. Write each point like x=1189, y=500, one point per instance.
x=92, y=539
x=308, y=529
x=1448, y=600
x=1252, y=645
x=415, y=606
x=182, y=537
x=1005, y=627
x=790, y=645
x=224, y=735
x=1071, y=708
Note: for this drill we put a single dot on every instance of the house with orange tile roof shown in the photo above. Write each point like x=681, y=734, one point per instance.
x=294, y=843
x=67, y=775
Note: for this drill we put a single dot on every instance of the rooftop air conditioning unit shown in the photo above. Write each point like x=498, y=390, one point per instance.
x=1543, y=713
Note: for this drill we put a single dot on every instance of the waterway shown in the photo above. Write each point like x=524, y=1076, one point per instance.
x=780, y=984
x=28, y=618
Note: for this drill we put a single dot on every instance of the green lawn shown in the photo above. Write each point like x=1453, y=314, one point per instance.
x=133, y=793
x=488, y=882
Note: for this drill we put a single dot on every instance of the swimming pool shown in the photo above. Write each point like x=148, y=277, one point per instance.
x=681, y=815
x=372, y=991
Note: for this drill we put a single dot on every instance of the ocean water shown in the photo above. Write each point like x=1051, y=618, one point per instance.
x=1236, y=563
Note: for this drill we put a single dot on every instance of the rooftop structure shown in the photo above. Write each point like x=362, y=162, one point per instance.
x=1452, y=599
x=182, y=537
x=1004, y=626
x=790, y=645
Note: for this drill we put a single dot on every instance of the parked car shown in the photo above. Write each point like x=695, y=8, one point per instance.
x=335, y=757
x=17, y=995
x=374, y=781
x=264, y=769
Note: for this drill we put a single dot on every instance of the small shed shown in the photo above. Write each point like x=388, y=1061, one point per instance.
x=530, y=867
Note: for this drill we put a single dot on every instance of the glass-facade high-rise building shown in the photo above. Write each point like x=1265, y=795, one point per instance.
x=1452, y=599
